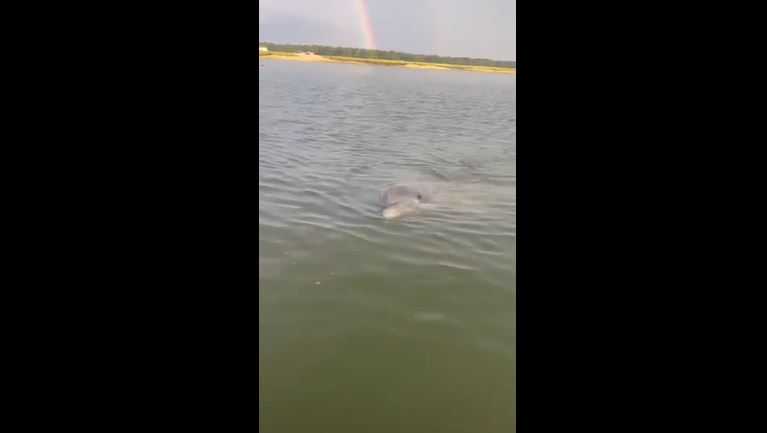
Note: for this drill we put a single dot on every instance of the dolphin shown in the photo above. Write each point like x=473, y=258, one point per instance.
x=403, y=199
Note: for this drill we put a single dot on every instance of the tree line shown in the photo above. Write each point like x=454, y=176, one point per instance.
x=323, y=50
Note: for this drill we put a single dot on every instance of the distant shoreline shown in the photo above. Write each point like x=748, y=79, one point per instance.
x=309, y=57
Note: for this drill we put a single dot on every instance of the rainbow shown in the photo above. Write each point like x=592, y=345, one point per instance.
x=366, y=25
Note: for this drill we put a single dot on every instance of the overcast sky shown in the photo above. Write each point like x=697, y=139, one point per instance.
x=470, y=28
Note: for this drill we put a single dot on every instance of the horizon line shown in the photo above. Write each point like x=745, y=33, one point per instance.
x=380, y=49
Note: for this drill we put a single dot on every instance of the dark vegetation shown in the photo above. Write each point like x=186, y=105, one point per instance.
x=362, y=53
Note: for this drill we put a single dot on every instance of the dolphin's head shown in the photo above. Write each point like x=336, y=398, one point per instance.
x=401, y=208
x=400, y=200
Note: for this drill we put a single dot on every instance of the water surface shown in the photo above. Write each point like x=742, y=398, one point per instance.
x=368, y=325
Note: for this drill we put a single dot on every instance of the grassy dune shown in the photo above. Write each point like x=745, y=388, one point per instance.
x=276, y=55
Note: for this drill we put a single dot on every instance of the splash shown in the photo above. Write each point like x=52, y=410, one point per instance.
x=366, y=25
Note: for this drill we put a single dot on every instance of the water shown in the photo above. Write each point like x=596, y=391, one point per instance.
x=368, y=325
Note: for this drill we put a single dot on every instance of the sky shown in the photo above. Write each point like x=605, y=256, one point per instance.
x=458, y=28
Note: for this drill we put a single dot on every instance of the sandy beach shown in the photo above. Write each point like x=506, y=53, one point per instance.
x=309, y=57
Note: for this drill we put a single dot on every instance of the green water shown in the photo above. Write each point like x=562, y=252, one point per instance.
x=368, y=325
